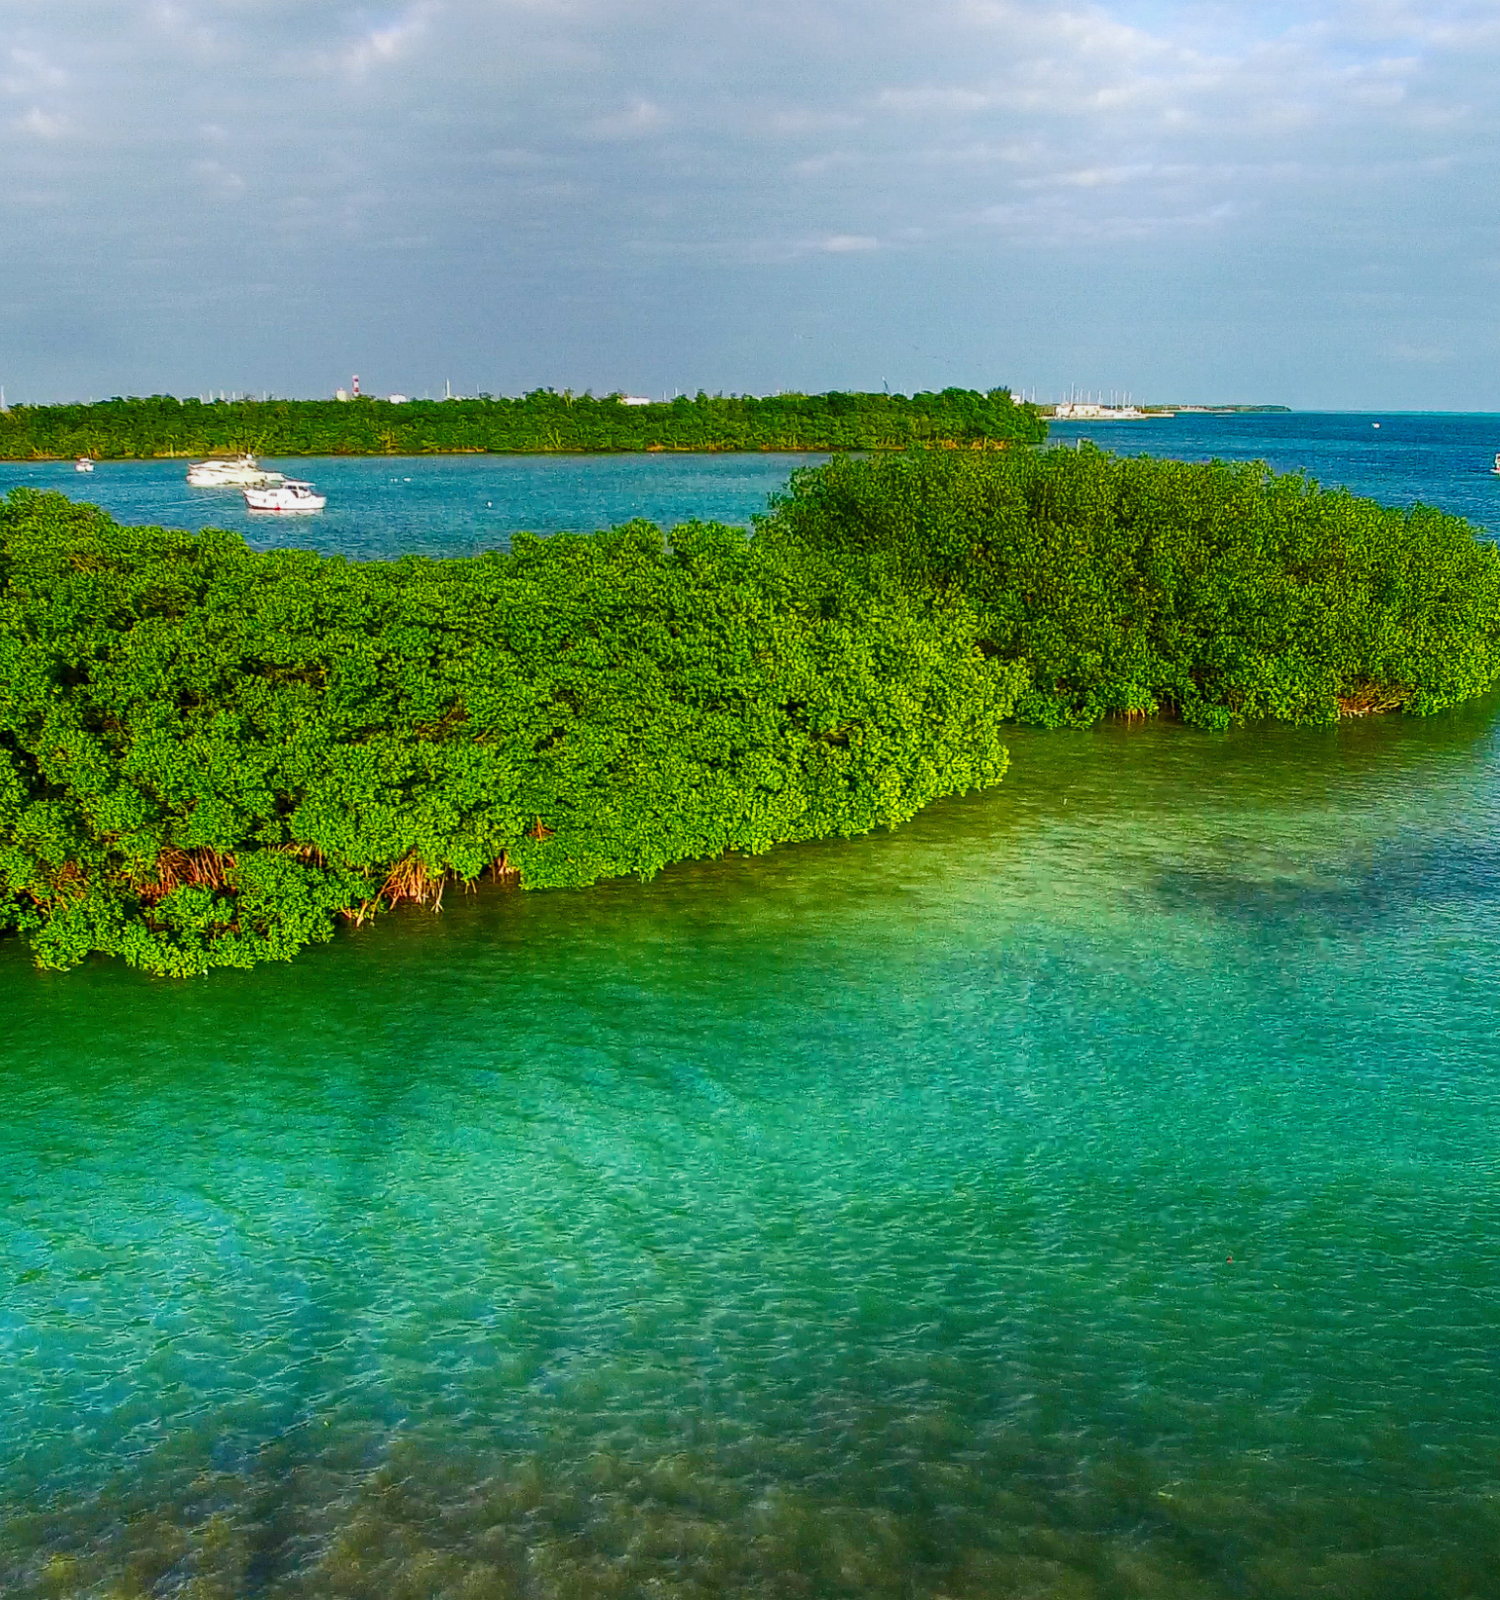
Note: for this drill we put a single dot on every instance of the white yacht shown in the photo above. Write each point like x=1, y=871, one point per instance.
x=292, y=495
x=231, y=472
x=83, y=464
x=1496, y=468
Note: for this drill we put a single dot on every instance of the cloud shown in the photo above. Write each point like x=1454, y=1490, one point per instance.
x=386, y=43
x=218, y=181
x=1095, y=177
x=638, y=119
x=625, y=154
x=42, y=124
x=928, y=100
x=28, y=71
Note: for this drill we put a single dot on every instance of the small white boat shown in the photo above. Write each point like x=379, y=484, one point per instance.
x=1496, y=468
x=232, y=472
x=84, y=464
x=292, y=495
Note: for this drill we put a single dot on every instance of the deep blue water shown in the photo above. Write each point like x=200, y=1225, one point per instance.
x=1399, y=458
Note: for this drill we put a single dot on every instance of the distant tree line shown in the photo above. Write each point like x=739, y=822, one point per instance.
x=209, y=756
x=543, y=421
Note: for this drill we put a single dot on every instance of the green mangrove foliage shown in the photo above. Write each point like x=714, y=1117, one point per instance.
x=541, y=421
x=208, y=755
x=1131, y=586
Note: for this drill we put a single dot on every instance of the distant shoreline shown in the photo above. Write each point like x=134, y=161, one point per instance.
x=1143, y=413
x=543, y=422
x=410, y=455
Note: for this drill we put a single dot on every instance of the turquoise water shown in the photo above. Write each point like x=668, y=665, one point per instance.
x=434, y=505
x=853, y=1220
x=1087, y=1191
x=458, y=505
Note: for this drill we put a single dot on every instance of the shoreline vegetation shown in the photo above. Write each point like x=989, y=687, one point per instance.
x=211, y=756
x=543, y=422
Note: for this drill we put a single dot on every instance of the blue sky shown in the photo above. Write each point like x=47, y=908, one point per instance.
x=1185, y=199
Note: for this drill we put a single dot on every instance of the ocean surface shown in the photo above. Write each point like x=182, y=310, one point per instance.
x=1399, y=458
x=1088, y=1191
x=385, y=506
x=459, y=505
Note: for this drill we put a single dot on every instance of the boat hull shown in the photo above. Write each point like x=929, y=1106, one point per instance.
x=240, y=480
x=243, y=472
x=279, y=502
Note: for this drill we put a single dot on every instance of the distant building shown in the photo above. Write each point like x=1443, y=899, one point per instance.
x=636, y=400
x=1088, y=410
x=340, y=394
x=397, y=399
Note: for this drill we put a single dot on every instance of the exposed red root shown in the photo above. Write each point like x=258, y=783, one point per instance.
x=177, y=869
x=410, y=880
x=1365, y=699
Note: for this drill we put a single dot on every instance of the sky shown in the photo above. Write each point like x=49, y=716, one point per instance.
x=1182, y=200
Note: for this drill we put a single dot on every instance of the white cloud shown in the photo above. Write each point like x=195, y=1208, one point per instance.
x=42, y=124
x=1095, y=177
x=384, y=45
x=531, y=140
x=218, y=181
x=638, y=119
x=29, y=71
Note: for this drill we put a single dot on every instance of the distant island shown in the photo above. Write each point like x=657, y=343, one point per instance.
x=546, y=421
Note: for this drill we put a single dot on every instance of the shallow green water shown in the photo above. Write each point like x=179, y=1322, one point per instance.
x=852, y=1220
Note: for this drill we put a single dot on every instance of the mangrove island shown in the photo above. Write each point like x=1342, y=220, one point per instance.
x=209, y=755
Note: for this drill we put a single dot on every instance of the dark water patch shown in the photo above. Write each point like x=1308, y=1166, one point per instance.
x=1458, y=873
